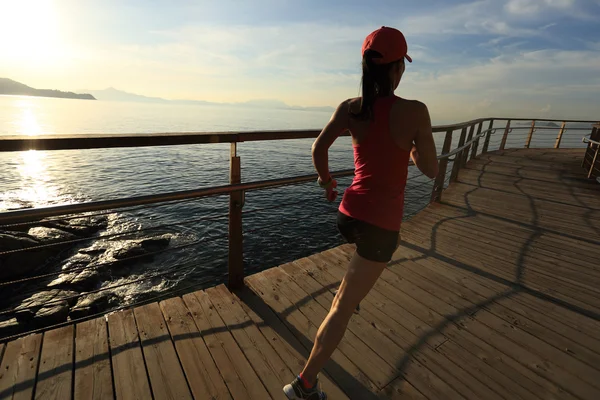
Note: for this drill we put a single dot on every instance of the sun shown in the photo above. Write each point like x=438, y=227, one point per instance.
x=30, y=32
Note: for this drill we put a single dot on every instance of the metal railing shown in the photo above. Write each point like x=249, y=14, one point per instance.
x=590, y=160
x=474, y=139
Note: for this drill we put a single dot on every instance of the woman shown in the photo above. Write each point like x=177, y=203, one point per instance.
x=386, y=132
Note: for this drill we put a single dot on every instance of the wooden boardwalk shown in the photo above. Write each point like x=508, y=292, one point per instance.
x=494, y=294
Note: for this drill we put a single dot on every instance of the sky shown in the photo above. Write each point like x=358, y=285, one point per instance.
x=503, y=58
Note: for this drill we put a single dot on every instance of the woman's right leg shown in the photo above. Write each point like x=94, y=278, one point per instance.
x=358, y=281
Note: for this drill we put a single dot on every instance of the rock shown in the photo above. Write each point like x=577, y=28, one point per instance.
x=63, y=280
x=84, y=226
x=13, y=240
x=138, y=248
x=156, y=243
x=22, y=263
x=54, y=314
x=133, y=250
x=92, y=304
x=89, y=279
x=9, y=327
x=29, y=307
x=77, y=261
x=50, y=235
x=85, y=280
x=93, y=251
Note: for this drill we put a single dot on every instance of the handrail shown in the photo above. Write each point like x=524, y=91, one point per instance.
x=588, y=140
x=467, y=144
x=97, y=141
x=11, y=217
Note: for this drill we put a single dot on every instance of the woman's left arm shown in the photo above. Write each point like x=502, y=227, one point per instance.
x=334, y=128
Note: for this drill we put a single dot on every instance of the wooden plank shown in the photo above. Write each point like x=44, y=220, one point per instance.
x=431, y=312
x=538, y=212
x=549, y=192
x=166, y=376
x=581, y=324
x=19, y=367
x=524, y=321
x=561, y=249
x=519, y=251
x=494, y=379
x=241, y=379
x=129, y=370
x=520, y=209
x=267, y=364
x=489, y=262
x=56, y=365
x=223, y=361
x=198, y=365
x=581, y=384
x=93, y=376
x=290, y=349
x=434, y=271
x=346, y=373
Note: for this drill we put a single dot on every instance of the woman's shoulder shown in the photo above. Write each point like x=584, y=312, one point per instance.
x=415, y=104
x=410, y=107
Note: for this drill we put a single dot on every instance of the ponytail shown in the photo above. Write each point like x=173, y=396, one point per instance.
x=375, y=82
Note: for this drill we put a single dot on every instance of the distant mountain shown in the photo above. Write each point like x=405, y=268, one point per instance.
x=8, y=86
x=112, y=94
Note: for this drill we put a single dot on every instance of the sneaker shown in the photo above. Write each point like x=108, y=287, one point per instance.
x=297, y=391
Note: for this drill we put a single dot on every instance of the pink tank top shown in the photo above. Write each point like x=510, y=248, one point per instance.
x=376, y=195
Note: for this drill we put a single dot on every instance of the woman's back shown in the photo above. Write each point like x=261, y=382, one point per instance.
x=381, y=157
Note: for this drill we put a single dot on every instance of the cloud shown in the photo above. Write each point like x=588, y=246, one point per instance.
x=522, y=7
x=514, y=84
x=474, y=18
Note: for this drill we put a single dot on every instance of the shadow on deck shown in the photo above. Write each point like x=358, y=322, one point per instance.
x=494, y=294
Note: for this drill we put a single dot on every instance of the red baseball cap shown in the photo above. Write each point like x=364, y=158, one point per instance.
x=389, y=42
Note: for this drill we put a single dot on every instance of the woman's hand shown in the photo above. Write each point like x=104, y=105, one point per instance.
x=330, y=192
x=329, y=186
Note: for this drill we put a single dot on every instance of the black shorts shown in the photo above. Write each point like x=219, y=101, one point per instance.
x=372, y=242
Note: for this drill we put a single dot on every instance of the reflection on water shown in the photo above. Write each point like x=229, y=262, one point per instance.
x=26, y=122
x=33, y=184
x=36, y=188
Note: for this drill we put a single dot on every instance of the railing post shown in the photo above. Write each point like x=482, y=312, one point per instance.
x=506, y=131
x=465, y=153
x=475, y=146
x=486, y=143
x=593, y=164
x=530, y=134
x=560, y=134
x=589, y=146
x=458, y=158
x=236, y=202
x=438, y=187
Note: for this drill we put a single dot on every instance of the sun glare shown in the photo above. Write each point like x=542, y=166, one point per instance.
x=26, y=122
x=30, y=32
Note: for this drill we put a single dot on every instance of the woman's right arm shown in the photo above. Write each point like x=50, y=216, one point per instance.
x=424, y=153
